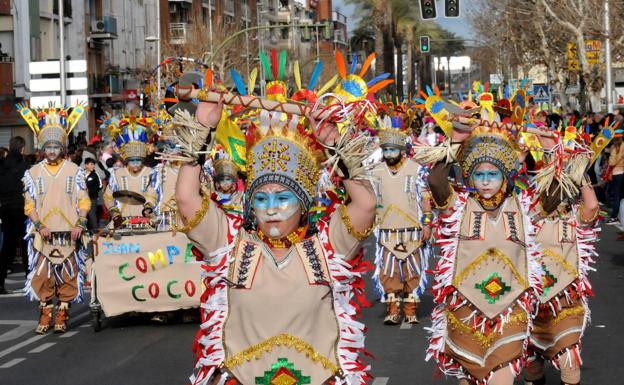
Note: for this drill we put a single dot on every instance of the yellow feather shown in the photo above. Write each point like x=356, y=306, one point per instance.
x=297, y=75
x=327, y=85
x=252, y=81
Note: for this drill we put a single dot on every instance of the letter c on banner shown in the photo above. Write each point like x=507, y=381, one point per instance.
x=134, y=295
x=153, y=290
x=189, y=288
x=175, y=296
x=141, y=264
x=122, y=275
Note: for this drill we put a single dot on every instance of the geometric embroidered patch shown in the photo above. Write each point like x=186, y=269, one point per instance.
x=283, y=373
x=493, y=287
x=549, y=280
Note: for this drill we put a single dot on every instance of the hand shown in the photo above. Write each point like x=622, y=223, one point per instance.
x=148, y=212
x=209, y=114
x=45, y=232
x=326, y=133
x=547, y=143
x=76, y=233
x=524, y=151
x=458, y=136
x=117, y=221
x=426, y=233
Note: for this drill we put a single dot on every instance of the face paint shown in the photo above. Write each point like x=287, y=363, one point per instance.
x=275, y=205
x=391, y=155
x=135, y=164
x=52, y=151
x=225, y=184
x=487, y=179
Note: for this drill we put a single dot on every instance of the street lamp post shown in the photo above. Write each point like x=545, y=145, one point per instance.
x=609, y=77
x=62, y=75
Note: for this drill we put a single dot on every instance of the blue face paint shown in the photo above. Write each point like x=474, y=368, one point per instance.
x=484, y=176
x=390, y=153
x=275, y=206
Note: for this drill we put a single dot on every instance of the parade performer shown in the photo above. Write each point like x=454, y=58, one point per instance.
x=566, y=215
x=279, y=305
x=131, y=135
x=404, y=219
x=224, y=174
x=56, y=203
x=488, y=275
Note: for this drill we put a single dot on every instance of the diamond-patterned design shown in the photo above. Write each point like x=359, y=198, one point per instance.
x=283, y=373
x=493, y=287
x=548, y=279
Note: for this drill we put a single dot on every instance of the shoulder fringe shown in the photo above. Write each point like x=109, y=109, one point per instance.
x=447, y=297
x=346, y=279
x=208, y=345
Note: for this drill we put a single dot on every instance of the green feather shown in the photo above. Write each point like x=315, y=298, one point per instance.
x=266, y=65
x=282, y=65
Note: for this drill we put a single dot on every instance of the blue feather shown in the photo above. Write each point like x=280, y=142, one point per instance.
x=506, y=92
x=316, y=74
x=377, y=79
x=353, y=63
x=238, y=81
x=429, y=90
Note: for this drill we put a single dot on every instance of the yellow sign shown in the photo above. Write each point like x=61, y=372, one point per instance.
x=593, y=48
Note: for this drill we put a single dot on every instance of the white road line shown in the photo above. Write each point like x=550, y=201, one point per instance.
x=84, y=326
x=406, y=326
x=69, y=334
x=76, y=319
x=21, y=345
x=381, y=380
x=8, y=280
x=12, y=295
x=42, y=347
x=23, y=327
x=12, y=363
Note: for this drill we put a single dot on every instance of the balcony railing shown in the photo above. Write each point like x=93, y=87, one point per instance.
x=104, y=85
x=177, y=33
x=339, y=17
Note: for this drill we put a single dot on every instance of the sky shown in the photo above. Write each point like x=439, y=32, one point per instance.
x=460, y=26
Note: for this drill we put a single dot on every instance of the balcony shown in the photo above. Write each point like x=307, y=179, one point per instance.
x=340, y=37
x=104, y=86
x=339, y=18
x=104, y=28
x=177, y=33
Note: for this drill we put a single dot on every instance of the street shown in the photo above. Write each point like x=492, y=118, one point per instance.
x=131, y=351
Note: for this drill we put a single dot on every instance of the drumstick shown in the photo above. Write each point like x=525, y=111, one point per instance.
x=506, y=126
x=248, y=101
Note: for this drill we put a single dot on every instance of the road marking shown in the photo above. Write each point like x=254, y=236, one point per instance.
x=42, y=347
x=406, y=326
x=12, y=363
x=14, y=280
x=76, y=320
x=84, y=326
x=12, y=295
x=381, y=380
x=24, y=327
x=69, y=334
x=21, y=345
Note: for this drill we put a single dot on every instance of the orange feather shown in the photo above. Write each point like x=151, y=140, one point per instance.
x=208, y=78
x=342, y=68
x=380, y=85
x=367, y=64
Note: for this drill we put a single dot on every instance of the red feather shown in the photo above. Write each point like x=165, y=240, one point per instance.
x=274, y=65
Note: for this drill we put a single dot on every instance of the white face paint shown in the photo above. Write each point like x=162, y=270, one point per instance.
x=52, y=151
x=274, y=232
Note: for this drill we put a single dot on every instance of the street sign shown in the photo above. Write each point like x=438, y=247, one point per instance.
x=593, y=48
x=541, y=93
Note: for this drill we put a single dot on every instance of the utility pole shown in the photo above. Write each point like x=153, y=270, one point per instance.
x=210, y=29
x=62, y=74
x=158, y=73
x=609, y=77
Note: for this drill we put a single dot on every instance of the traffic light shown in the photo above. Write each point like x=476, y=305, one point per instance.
x=424, y=44
x=451, y=8
x=428, y=9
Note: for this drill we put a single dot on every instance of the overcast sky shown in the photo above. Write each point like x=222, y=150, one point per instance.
x=459, y=26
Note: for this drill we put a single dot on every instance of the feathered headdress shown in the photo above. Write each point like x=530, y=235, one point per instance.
x=131, y=133
x=51, y=124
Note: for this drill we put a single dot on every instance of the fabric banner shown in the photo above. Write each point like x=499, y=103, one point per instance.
x=147, y=273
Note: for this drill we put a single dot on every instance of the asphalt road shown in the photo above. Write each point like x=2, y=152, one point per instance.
x=131, y=351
